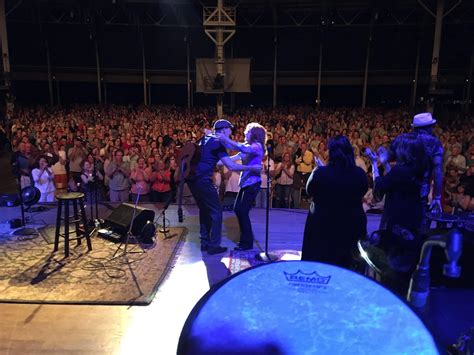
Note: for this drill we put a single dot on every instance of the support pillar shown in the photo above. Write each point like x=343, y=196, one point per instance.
x=149, y=92
x=58, y=94
x=436, y=49
x=105, y=92
x=275, y=69
x=99, y=87
x=415, y=79
x=219, y=25
x=232, y=94
x=467, y=101
x=188, y=71
x=50, y=75
x=220, y=67
x=145, y=89
x=4, y=44
x=366, y=72
x=318, y=97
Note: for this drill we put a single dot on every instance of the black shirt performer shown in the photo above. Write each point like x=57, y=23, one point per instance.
x=204, y=192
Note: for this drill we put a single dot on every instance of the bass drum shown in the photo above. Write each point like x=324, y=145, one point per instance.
x=301, y=307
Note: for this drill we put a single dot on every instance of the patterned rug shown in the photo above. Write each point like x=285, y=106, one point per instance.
x=241, y=260
x=31, y=273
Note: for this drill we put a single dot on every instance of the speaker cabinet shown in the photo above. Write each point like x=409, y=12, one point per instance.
x=120, y=219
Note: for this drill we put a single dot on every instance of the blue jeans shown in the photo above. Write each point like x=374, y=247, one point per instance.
x=282, y=195
x=210, y=211
x=242, y=206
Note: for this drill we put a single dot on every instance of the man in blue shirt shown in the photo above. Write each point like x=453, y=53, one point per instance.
x=200, y=183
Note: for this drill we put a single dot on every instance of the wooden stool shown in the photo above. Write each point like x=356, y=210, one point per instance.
x=67, y=199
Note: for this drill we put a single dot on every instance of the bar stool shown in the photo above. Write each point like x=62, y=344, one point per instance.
x=66, y=200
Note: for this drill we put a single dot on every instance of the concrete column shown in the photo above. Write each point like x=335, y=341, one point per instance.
x=188, y=70
x=4, y=44
x=97, y=61
x=366, y=72
x=318, y=97
x=50, y=75
x=467, y=103
x=145, y=89
x=275, y=68
x=415, y=79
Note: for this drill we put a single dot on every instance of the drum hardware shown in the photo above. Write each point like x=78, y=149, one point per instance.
x=419, y=288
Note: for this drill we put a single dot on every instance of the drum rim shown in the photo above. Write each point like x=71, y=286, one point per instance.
x=186, y=331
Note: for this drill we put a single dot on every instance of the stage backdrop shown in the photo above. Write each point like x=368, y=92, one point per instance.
x=236, y=78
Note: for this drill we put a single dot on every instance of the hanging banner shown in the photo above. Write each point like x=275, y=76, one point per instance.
x=236, y=76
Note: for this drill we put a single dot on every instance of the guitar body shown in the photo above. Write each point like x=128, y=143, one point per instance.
x=188, y=158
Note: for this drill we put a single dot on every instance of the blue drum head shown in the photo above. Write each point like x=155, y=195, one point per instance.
x=299, y=307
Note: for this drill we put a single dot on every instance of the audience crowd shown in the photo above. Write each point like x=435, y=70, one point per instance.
x=125, y=151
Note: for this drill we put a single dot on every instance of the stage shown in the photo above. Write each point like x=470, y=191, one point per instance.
x=152, y=329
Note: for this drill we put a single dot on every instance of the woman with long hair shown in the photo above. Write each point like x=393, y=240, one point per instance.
x=336, y=219
x=251, y=152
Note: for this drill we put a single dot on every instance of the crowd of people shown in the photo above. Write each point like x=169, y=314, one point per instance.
x=125, y=151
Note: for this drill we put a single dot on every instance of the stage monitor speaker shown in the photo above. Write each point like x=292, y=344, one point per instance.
x=120, y=219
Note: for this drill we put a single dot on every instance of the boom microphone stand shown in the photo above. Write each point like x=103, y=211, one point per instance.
x=265, y=256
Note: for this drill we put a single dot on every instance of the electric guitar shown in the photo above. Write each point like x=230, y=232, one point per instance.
x=188, y=158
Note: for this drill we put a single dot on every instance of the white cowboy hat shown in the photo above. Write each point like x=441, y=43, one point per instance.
x=423, y=119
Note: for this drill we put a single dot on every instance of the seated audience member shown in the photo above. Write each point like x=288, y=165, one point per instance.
x=284, y=173
x=336, y=219
x=161, y=182
x=76, y=155
x=261, y=200
x=140, y=176
x=118, y=172
x=43, y=179
x=90, y=184
x=304, y=161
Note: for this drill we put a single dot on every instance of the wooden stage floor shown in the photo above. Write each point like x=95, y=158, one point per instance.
x=153, y=329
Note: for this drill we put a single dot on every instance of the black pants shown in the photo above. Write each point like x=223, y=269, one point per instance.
x=210, y=211
x=243, y=203
x=160, y=196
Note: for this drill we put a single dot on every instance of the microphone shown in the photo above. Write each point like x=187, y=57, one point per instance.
x=269, y=148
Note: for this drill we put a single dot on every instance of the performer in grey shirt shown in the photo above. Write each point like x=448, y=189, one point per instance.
x=251, y=153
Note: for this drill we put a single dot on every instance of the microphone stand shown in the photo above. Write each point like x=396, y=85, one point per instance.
x=265, y=256
x=94, y=185
x=125, y=250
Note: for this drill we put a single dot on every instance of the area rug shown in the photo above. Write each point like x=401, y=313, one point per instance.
x=31, y=273
x=241, y=260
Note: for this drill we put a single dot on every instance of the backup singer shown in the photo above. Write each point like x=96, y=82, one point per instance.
x=251, y=153
x=336, y=219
